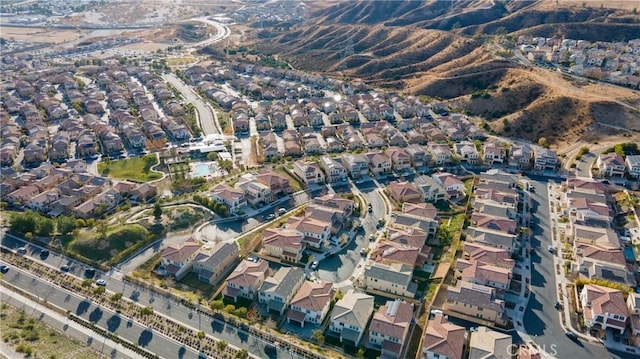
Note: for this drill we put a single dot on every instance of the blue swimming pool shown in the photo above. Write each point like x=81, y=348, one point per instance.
x=629, y=255
x=201, y=170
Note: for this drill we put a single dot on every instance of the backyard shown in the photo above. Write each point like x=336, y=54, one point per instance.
x=134, y=169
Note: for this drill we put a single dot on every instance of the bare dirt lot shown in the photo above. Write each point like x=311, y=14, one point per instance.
x=39, y=35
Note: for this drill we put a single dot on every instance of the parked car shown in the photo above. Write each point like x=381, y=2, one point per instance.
x=101, y=282
x=571, y=335
x=22, y=250
x=65, y=268
x=550, y=248
x=4, y=268
x=314, y=265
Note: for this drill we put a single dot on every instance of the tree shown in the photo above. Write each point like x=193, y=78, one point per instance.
x=44, y=226
x=99, y=290
x=66, y=225
x=242, y=354
x=221, y=346
x=116, y=297
x=157, y=211
x=217, y=305
x=318, y=336
x=445, y=236
x=201, y=335
x=542, y=141
x=146, y=311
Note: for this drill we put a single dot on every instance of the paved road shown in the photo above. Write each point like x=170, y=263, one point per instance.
x=541, y=319
x=103, y=317
x=206, y=116
x=161, y=304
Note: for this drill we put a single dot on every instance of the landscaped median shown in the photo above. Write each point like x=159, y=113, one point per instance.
x=145, y=316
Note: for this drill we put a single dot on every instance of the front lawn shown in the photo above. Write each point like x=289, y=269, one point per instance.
x=134, y=169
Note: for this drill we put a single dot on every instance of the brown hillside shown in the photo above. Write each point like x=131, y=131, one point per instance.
x=401, y=45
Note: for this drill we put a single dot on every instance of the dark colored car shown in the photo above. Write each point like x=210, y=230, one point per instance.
x=571, y=335
x=4, y=268
x=89, y=272
x=44, y=253
x=65, y=268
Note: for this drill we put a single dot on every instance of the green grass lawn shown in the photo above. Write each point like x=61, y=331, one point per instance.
x=134, y=169
x=119, y=242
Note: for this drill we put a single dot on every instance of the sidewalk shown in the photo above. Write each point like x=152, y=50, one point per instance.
x=70, y=328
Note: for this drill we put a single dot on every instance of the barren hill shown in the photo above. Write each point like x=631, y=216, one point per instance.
x=434, y=48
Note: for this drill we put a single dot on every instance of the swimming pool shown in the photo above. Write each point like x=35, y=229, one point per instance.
x=629, y=255
x=201, y=170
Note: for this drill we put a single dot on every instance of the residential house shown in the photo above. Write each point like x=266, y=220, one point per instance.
x=311, y=303
x=475, y=301
x=454, y=187
x=544, y=159
x=144, y=192
x=285, y=245
x=493, y=238
x=408, y=221
x=212, y=265
x=233, y=198
x=378, y=163
x=633, y=165
x=394, y=278
x=333, y=169
x=520, y=157
x=404, y=192
x=388, y=252
x=350, y=316
x=334, y=201
x=604, y=308
x=400, y=159
x=490, y=344
x=611, y=164
x=245, y=280
x=493, y=153
x=309, y=172
x=484, y=274
x=441, y=153
x=276, y=292
x=418, y=155
x=442, y=339
x=491, y=207
x=467, y=152
x=432, y=191
x=633, y=305
x=389, y=328
x=42, y=201
x=257, y=194
x=502, y=224
x=315, y=232
x=177, y=259
x=356, y=164
x=278, y=183
x=22, y=194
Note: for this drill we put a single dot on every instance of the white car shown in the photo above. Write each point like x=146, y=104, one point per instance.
x=101, y=282
x=314, y=265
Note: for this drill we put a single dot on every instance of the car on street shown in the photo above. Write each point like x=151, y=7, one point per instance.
x=282, y=211
x=550, y=248
x=557, y=305
x=44, y=253
x=532, y=188
x=363, y=252
x=370, y=208
x=314, y=265
x=4, y=268
x=271, y=216
x=65, y=268
x=22, y=250
x=571, y=335
x=101, y=282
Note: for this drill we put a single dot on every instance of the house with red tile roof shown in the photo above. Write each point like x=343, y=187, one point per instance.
x=487, y=254
x=315, y=232
x=286, y=245
x=486, y=343
x=311, y=303
x=245, y=280
x=604, y=308
x=177, y=259
x=443, y=339
x=501, y=224
x=231, y=197
x=404, y=192
x=611, y=164
x=484, y=274
x=389, y=328
x=394, y=252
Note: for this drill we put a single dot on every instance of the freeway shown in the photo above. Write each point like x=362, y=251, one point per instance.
x=222, y=32
x=102, y=317
x=206, y=115
x=541, y=319
x=232, y=334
